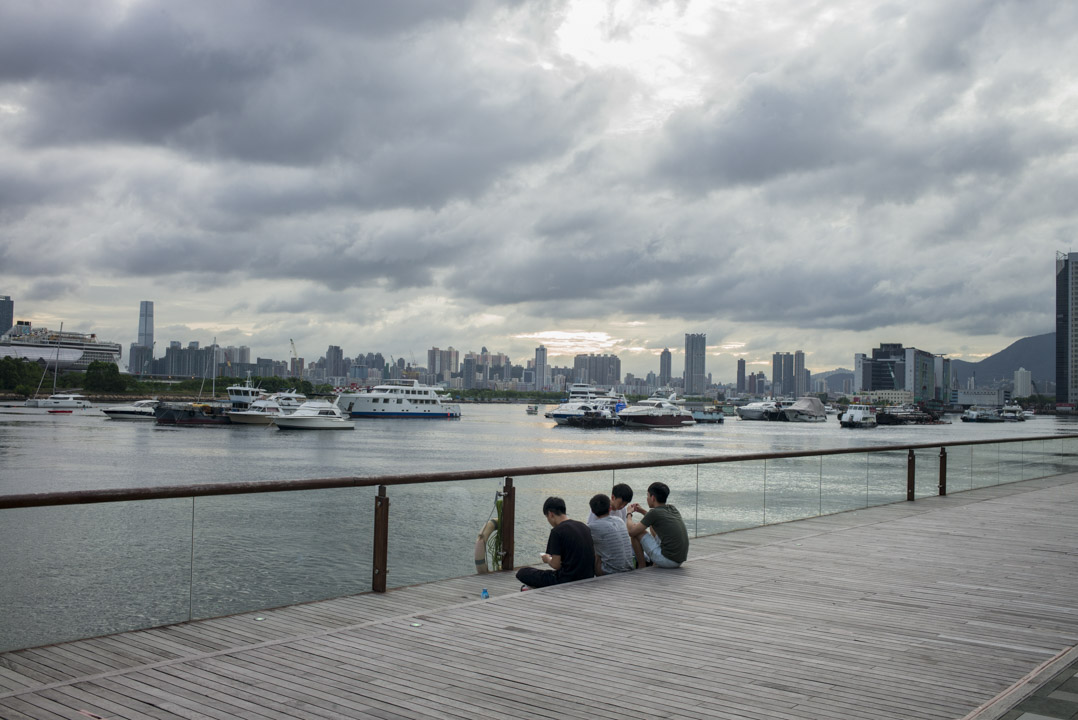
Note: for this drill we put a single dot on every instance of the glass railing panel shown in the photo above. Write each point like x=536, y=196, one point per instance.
x=985, y=465
x=1069, y=455
x=959, y=468
x=793, y=489
x=1037, y=462
x=731, y=496
x=845, y=479
x=682, y=481
x=927, y=482
x=1011, y=462
x=886, y=477
x=77, y=571
x=265, y=550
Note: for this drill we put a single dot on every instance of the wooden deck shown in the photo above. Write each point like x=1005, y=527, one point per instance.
x=915, y=610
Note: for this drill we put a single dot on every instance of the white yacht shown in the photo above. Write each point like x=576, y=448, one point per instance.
x=656, y=412
x=138, y=410
x=398, y=399
x=315, y=415
x=65, y=401
x=265, y=409
x=586, y=401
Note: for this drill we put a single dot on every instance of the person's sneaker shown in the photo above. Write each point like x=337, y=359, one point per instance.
x=648, y=563
x=524, y=588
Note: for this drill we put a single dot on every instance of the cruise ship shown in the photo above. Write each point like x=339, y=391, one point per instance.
x=398, y=399
x=67, y=351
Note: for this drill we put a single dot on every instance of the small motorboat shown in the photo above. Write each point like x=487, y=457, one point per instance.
x=138, y=410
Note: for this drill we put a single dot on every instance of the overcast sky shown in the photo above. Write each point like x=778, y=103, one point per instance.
x=596, y=177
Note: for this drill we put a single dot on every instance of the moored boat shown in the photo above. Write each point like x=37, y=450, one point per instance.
x=192, y=413
x=763, y=410
x=656, y=412
x=583, y=399
x=806, y=409
x=599, y=417
x=138, y=410
x=858, y=416
x=707, y=414
x=981, y=415
x=265, y=409
x=69, y=401
x=315, y=414
x=398, y=399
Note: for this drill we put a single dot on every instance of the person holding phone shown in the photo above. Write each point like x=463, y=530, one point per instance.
x=569, y=550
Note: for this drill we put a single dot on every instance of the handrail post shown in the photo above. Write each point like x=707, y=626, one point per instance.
x=381, y=540
x=943, y=471
x=509, y=514
x=911, y=475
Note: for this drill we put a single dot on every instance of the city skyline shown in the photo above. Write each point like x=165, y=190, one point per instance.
x=591, y=178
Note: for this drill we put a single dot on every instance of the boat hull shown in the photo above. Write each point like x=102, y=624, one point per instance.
x=312, y=423
x=129, y=414
x=656, y=421
x=245, y=418
x=197, y=414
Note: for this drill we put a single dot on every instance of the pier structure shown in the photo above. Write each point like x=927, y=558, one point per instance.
x=954, y=606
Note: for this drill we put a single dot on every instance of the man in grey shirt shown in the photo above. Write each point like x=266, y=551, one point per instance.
x=613, y=548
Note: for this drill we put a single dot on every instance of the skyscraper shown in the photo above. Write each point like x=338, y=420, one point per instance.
x=695, y=372
x=800, y=383
x=665, y=368
x=145, y=323
x=740, y=376
x=7, y=313
x=1066, y=318
x=540, y=368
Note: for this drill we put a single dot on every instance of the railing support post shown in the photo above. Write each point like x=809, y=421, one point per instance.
x=943, y=471
x=509, y=514
x=911, y=475
x=381, y=540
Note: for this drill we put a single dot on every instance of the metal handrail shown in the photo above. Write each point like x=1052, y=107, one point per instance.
x=79, y=497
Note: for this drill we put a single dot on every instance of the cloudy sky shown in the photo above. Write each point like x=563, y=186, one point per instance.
x=596, y=177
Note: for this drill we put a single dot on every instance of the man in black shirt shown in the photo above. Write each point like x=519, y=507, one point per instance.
x=569, y=550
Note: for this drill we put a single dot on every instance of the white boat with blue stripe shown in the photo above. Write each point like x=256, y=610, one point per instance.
x=398, y=399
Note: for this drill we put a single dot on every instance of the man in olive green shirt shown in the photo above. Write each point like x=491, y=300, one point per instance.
x=667, y=545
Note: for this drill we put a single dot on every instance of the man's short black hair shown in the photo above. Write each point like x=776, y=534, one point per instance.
x=659, y=491
x=555, y=505
x=600, y=504
x=623, y=492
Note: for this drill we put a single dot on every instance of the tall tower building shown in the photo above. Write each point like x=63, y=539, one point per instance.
x=695, y=372
x=740, y=376
x=1066, y=328
x=541, y=371
x=7, y=313
x=145, y=323
x=665, y=368
x=800, y=383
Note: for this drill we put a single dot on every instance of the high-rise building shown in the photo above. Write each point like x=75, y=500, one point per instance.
x=1023, y=383
x=800, y=381
x=145, y=323
x=1066, y=327
x=695, y=357
x=541, y=373
x=335, y=361
x=740, y=376
x=665, y=368
x=7, y=313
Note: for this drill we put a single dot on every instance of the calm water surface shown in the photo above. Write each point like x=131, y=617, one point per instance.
x=78, y=571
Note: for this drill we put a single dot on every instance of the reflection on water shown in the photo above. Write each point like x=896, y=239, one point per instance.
x=77, y=571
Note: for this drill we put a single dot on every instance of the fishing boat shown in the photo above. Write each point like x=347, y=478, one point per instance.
x=707, y=414
x=398, y=399
x=315, y=414
x=532, y=409
x=858, y=416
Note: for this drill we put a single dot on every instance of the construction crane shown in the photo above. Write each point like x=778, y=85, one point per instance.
x=295, y=358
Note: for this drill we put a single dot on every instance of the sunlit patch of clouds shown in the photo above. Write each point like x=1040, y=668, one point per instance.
x=570, y=343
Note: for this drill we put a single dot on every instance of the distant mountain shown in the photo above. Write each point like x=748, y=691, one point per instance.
x=1036, y=354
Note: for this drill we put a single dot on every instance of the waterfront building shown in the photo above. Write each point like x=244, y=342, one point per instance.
x=740, y=376
x=665, y=367
x=601, y=370
x=7, y=313
x=695, y=360
x=1023, y=383
x=541, y=374
x=1066, y=328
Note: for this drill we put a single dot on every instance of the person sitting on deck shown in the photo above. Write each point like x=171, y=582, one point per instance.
x=667, y=543
x=613, y=548
x=569, y=550
x=620, y=497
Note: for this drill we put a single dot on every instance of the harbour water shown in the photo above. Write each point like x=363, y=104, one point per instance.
x=84, y=570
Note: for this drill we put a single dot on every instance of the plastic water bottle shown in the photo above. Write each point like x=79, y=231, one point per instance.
x=484, y=594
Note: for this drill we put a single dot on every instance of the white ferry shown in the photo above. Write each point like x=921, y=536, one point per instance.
x=398, y=399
